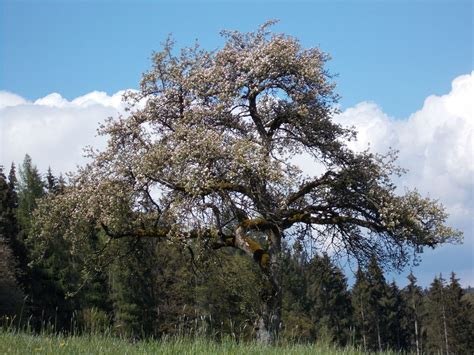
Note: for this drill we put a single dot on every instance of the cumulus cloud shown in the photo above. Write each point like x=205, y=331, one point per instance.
x=8, y=99
x=435, y=144
x=53, y=130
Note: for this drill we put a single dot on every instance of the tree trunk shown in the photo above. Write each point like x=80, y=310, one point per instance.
x=379, y=339
x=416, y=332
x=445, y=328
x=268, y=323
x=363, y=326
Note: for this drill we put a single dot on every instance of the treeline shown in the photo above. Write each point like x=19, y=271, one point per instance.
x=156, y=288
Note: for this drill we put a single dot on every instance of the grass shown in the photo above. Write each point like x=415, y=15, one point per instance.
x=12, y=342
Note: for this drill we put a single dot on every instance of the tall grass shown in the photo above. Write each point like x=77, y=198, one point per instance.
x=15, y=342
x=16, y=339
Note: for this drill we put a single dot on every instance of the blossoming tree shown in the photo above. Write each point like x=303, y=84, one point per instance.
x=210, y=156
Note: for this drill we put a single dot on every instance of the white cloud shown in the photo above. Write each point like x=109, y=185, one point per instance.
x=435, y=144
x=53, y=130
x=8, y=99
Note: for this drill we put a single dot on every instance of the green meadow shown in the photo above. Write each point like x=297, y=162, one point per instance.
x=12, y=342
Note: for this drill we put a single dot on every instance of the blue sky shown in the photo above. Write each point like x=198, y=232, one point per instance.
x=393, y=53
x=405, y=76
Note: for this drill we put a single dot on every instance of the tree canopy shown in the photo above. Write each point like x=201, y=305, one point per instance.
x=206, y=152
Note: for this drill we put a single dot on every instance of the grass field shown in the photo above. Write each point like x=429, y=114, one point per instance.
x=23, y=343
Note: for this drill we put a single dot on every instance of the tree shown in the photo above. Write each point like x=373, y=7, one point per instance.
x=8, y=205
x=413, y=296
x=296, y=307
x=331, y=306
x=438, y=338
x=54, y=185
x=9, y=225
x=377, y=311
x=226, y=295
x=360, y=297
x=369, y=299
x=30, y=189
x=207, y=150
x=459, y=321
x=398, y=335
x=133, y=290
x=11, y=295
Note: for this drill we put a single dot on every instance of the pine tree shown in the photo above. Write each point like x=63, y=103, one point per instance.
x=225, y=295
x=330, y=301
x=360, y=297
x=30, y=188
x=8, y=205
x=371, y=302
x=5, y=211
x=13, y=234
x=377, y=313
x=458, y=311
x=9, y=229
x=413, y=322
x=11, y=294
x=394, y=307
x=297, y=324
x=53, y=184
x=51, y=181
x=133, y=290
x=436, y=318
x=53, y=275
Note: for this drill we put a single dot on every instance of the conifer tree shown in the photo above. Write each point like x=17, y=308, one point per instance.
x=330, y=302
x=175, y=282
x=371, y=301
x=50, y=182
x=6, y=213
x=11, y=294
x=56, y=273
x=377, y=311
x=9, y=228
x=413, y=321
x=436, y=318
x=394, y=307
x=8, y=205
x=30, y=189
x=133, y=290
x=296, y=314
x=458, y=312
x=360, y=297
x=225, y=295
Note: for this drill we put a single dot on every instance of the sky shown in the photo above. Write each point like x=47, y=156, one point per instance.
x=403, y=69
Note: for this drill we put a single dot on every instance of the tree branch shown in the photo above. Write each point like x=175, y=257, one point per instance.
x=332, y=219
x=308, y=187
x=256, y=117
